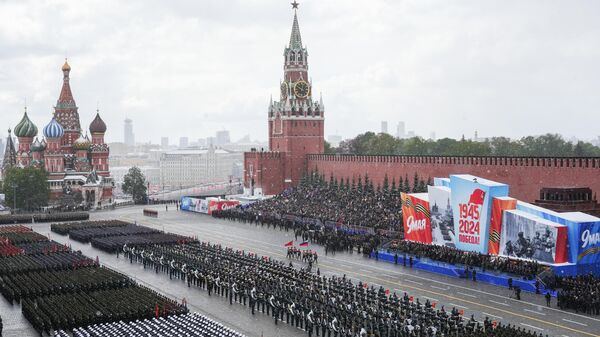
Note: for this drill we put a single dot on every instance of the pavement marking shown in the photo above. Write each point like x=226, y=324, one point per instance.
x=532, y=326
x=365, y=271
x=574, y=322
x=535, y=312
x=431, y=298
x=458, y=306
x=411, y=281
x=439, y=288
x=488, y=314
x=501, y=303
x=468, y=295
x=220, y=236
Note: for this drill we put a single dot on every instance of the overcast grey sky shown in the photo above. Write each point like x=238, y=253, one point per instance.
x=189, y=68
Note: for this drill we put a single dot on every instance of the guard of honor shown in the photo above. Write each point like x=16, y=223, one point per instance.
x=320, y=305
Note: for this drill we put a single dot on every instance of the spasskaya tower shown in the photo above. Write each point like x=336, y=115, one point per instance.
x=296, y=125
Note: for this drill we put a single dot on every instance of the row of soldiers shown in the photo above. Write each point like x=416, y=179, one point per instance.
x=320, y=305
x=580, y=293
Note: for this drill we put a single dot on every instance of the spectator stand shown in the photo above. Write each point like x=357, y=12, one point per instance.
x=458, y=271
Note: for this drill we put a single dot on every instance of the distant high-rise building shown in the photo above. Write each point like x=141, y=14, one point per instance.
x=210, y=141
x=401, y=130
x=334, y=140
x=384, y=127
x=128, y=136
x=411, y=134
x=222, y=137
x=164, y=143
x=183, y=142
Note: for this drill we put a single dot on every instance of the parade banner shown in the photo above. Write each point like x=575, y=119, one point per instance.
x=527, y=236
x=589, y=243
x=471, y=205
x=416, y=217
x=194, y=205
x=442, y=217
x=221, y=205
x=441, y=182
x=499, y=205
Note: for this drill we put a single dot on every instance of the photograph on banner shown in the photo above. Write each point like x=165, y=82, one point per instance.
x=442, y=219
x=529, y=237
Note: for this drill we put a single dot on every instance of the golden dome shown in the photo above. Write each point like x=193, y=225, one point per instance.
x=66, y=66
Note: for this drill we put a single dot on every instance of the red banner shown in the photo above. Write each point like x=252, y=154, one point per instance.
x=222, y=205
x=499, y=205
x=416, y=218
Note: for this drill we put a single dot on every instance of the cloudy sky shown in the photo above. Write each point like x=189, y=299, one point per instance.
x=189, y=68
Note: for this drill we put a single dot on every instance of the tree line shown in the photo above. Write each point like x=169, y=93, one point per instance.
x=365, y=183
x=548, y=145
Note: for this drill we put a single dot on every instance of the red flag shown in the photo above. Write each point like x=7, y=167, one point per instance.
x=433, y=305
x=291, y=243
x=387, y=291
x=461, y=312
x=157, y=310
x=365, y=285
x=411, y=298
x=494, y=324
x=304, y=244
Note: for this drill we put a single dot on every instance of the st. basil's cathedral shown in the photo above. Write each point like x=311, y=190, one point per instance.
x=74, y=162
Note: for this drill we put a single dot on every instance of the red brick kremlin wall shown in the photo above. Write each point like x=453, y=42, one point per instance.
x=526, y=176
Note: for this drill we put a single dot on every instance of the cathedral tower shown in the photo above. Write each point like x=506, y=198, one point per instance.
x=65, y=111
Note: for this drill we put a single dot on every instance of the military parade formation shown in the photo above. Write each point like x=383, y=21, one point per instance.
x=192, y=325
x=59, y=288
x=319, y=305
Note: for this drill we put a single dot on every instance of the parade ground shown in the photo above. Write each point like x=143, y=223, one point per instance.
x=480, y=300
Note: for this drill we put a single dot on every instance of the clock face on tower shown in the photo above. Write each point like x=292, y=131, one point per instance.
x=301, y=89
x=284, y=91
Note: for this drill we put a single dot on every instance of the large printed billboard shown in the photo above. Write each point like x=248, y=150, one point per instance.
x=471, y=205
x=530, y=237
x=416, y=218
x=442, y=218
x=499, y=205
x=194, y=205
x=221, y=205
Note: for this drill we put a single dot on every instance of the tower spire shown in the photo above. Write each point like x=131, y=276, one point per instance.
x=295, y=38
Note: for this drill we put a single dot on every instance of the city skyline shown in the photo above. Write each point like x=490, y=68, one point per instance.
x=487, y=68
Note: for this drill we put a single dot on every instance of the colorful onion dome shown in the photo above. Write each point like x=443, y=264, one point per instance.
x=26, y=128
x=82, y=143
x=97, y=125
x=66, y=66
x=44, y=144
x=37, y=146
x=54, y=129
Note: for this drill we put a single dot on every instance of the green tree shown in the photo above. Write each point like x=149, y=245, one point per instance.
x=406, y=188
x=28, y=187
x=134, y=184
x=416, y=183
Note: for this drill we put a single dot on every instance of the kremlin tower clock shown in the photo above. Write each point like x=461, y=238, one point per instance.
x=296, y=126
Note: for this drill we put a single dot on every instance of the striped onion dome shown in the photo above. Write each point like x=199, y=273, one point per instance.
x=26, y=128
x=82, y=143
x=54, y=129
x=37, y=146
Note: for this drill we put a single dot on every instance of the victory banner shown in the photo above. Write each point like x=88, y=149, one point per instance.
x=416, y=217
x=471, y=205
x=442, y=217
x=589, y=243
x=499, y=205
